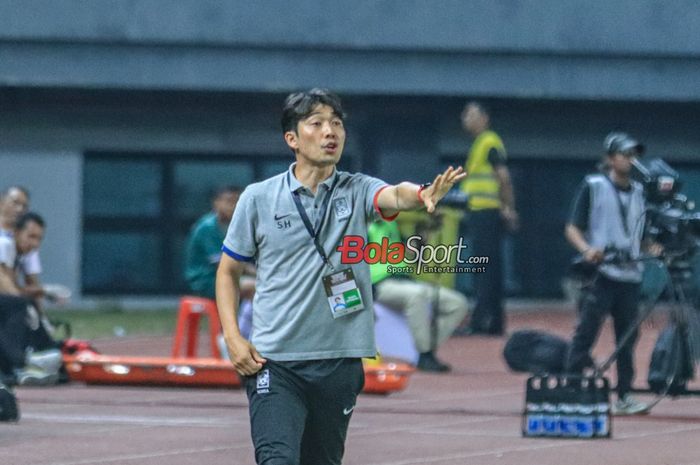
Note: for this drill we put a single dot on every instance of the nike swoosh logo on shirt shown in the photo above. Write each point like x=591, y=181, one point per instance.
x=277, y=218
x=347, y=411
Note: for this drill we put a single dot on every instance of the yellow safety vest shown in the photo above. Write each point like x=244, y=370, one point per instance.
x=481, y=184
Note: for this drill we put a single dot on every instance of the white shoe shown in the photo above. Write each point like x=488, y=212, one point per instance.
x=628, y=405
x=33, y=376
x=49, y=361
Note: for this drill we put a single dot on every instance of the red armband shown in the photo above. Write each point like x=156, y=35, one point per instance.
x=379, y=210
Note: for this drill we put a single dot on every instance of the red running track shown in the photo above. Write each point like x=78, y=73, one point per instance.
x=471, y=416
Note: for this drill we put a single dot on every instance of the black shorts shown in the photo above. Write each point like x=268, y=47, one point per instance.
x=300, y=411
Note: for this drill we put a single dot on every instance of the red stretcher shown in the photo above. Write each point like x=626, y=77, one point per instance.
x=85, y=364
x=92, y=368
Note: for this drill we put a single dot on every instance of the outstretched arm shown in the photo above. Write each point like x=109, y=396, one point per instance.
x=409, y=196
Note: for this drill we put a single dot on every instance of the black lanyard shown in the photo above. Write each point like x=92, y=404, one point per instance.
x=623, y=211
x=314, y=231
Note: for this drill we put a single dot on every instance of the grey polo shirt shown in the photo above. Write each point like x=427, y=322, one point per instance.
x=291, y=316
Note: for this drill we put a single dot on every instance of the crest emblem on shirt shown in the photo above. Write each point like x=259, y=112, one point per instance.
x=342, y=208
x=263, y=381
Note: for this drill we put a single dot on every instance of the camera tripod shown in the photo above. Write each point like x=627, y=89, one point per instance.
x=683, y=314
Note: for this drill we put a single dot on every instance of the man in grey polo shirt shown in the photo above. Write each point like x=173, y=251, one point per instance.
x=302, y=366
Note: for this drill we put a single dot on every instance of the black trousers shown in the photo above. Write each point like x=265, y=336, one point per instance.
x=487, y=231
x=300, y=411
x=621, y=301
x=13, y=332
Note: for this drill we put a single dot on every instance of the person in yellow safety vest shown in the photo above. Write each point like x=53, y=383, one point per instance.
x=417, y=300
x=492, y=212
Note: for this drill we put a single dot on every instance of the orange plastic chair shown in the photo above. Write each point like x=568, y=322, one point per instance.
x=190, y=311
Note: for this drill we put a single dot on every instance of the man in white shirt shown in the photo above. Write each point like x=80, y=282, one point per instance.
x=14, y=202
x=14, y=248
x=20, y=323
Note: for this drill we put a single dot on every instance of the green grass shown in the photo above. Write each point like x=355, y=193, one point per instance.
x=91, y=324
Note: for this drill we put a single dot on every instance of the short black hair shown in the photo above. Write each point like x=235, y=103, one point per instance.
x=29, y=217
x=299, y=105
x=228, y=189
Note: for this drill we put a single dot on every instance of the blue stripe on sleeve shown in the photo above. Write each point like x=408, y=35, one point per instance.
x=234, y=255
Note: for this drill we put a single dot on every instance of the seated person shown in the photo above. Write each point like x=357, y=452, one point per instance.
x=23, y=335
x=204, y=252
x=416, y=299
x=14, y=202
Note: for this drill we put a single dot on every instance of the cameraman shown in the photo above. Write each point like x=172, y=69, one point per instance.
x=608, y=213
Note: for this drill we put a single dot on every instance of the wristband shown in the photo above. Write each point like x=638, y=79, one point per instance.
x=421, y=188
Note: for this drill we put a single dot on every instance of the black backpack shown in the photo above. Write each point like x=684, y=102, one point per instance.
x=670, y=359
x=537, y=352
x=9, y=411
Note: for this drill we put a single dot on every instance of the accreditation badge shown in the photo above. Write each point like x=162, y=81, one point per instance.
x=343, y=294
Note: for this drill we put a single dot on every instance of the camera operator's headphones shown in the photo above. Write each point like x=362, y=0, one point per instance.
x=617, y=142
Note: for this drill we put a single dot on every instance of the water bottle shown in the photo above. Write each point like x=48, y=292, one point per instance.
x=567, y=420
x=550, y=419
x=585, y=408
x=602, y=420
x=585, y=420
x=602, y=411
x=534, y=419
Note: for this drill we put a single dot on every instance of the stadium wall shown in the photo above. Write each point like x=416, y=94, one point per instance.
x=205, y=79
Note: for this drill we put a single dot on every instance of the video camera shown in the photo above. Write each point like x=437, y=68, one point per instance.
x=671, y=217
